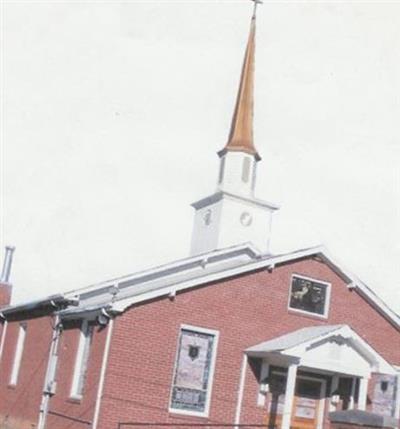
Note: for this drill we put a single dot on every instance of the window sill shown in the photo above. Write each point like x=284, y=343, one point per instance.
x=75, y=399
x=302, y=313
x=181, y=414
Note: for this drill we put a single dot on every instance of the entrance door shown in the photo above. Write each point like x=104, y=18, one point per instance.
x=307, y=412
x=307, y=404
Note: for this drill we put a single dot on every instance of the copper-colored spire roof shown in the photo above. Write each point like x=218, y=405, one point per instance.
x=241, y=133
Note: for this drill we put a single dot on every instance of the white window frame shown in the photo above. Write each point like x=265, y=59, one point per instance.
x=210, y=382
x=81, y=360
x=19, y=350
x=310, y=313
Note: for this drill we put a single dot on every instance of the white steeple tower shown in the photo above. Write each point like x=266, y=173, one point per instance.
x=232, y=215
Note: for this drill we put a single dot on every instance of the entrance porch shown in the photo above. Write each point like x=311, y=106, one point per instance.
x=309, y=373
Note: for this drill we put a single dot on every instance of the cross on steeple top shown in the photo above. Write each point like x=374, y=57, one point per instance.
x=256, y=3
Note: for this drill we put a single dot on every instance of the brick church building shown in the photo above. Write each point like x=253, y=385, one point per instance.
x=231, y=336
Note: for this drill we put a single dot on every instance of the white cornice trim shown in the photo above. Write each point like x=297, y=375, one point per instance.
x=275, y=261
x=246, y=257
x=182, y=264
x=219, y=195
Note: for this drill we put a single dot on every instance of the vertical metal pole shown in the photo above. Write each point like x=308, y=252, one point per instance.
x=50, y=372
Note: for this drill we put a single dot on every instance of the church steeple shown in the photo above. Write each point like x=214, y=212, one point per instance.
x=239, y=157
x=241, y=132
x=232, y=215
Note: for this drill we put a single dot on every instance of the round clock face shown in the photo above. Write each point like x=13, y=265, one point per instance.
x=246, y=219
x=207, y=217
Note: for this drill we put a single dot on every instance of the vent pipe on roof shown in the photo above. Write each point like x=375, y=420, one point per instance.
x=5, y=274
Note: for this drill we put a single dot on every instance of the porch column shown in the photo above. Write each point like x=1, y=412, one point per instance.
x=362, y=393
x=352, y=394
x=289, y=394
x=262, y=388
x=334, y=386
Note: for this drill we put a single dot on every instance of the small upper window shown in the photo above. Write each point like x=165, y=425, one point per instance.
x=191, y=386
x=310, y=296
x=246, y=169
x=221, y=171
x=18, y=354
x=81, y=361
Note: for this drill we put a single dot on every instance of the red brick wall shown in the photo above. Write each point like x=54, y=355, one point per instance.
x=21, y=402
x=246, y=310
x=19, y=405
x=61, y=403
x=5, y=298
x=5, y=294
x=2, y=329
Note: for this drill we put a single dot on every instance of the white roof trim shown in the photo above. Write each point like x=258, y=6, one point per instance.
x=273, y=261
x=378, y=362
x=242, y=259
x=217, y=196
x=182, y=264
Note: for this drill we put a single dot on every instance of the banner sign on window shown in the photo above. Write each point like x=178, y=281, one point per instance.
x=192, y=371
x=384, y=396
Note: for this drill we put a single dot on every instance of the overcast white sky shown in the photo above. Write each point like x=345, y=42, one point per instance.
x=112, y=114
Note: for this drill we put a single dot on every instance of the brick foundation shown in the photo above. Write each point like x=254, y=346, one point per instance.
x=354, y=419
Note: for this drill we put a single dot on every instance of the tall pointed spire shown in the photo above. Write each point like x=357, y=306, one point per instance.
x=233, y=215
x=241, y=133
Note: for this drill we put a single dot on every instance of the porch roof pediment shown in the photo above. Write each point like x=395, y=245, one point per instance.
x=333, y=348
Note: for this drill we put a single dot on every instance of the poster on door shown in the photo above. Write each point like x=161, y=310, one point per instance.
x=306, y=408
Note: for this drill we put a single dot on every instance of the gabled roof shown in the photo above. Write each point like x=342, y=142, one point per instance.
x=305, y=346
x=293, y=339
x=120, y=293
x=209, y=267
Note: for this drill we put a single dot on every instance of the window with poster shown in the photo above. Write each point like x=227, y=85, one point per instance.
x=193, y=372
x=385, y=395
x=309, y=295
